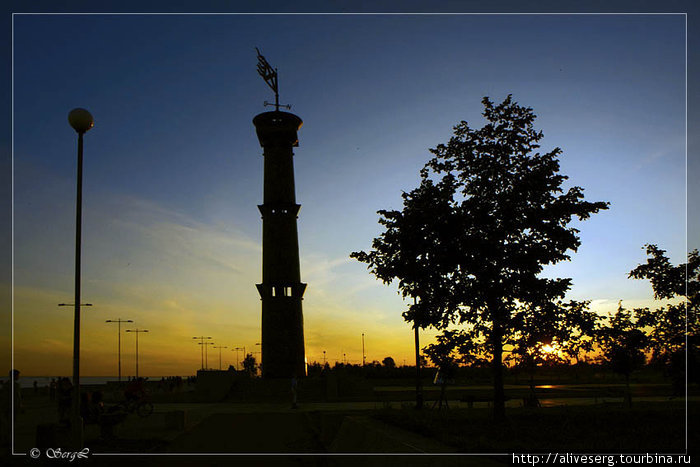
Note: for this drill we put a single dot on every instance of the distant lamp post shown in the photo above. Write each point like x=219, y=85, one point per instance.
x=206, y=356
x=259, y=352
x=202, y=338
x=137, y=331
x=363, y=350
x=81, y=121
x=220, y=347
x=324, y=358
x=119, y=322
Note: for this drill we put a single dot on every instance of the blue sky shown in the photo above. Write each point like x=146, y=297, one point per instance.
x=173, y=170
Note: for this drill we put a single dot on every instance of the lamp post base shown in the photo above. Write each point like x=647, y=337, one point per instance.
x=77, y=433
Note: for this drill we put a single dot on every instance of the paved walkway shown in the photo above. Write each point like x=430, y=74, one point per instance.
x=239, y=433
x=249, y=433
x=293, y=438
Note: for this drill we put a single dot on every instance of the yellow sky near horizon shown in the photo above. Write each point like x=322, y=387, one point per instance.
x=43, y=347
x=180, y=278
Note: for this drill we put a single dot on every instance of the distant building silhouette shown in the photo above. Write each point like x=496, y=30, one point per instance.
x=281, y=290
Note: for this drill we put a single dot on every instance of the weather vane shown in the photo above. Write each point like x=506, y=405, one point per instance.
x=270, y=76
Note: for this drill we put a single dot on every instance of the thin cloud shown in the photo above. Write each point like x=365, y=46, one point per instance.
x=672, y=148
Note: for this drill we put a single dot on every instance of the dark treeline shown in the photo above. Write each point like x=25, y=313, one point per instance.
x=593, y=370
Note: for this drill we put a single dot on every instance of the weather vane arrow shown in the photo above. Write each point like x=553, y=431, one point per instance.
x=269, y=74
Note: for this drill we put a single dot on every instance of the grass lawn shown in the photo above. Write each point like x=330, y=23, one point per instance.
x=646, y=427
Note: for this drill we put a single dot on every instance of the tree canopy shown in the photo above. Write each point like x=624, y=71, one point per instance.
x=552, y=332
x=389, y=362
x=622, y=341
x=673, y=325
x=670, y=281
x=250, y=366
x=472, y=239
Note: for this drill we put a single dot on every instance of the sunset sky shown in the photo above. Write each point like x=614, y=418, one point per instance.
x=173, y=169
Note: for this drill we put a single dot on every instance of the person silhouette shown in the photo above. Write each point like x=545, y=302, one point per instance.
x=52, y=389
x=11, y=391
x=295, y=384
x=16, y=388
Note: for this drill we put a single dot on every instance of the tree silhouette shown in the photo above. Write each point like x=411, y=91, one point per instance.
x=577, y=331
x=670, y=281
x=473, y=238
x=250, y=366
x=415, y=250
x=566, y=327
x=674, y=324
x=622, y=343
x=389, y=363
x=442, y=354
x=411, y=249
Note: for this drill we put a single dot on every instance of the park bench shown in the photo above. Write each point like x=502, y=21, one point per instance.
x=470, y=399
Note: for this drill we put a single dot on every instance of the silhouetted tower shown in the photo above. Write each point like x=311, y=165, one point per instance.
x=281, y=290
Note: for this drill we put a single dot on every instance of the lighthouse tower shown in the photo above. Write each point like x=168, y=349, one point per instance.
x=281, y=290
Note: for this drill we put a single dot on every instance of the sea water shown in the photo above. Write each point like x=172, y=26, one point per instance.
x=44, y=381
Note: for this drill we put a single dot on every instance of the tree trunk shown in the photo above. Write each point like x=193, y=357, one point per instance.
x=419, y=386
x=499, y=402
x=628, y=395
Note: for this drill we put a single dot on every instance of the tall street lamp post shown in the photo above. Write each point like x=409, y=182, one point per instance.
x=220, y=347
x=119, y=322
x=206, y=356
x=137, y=331
x=201, y=338
x=81, y=121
